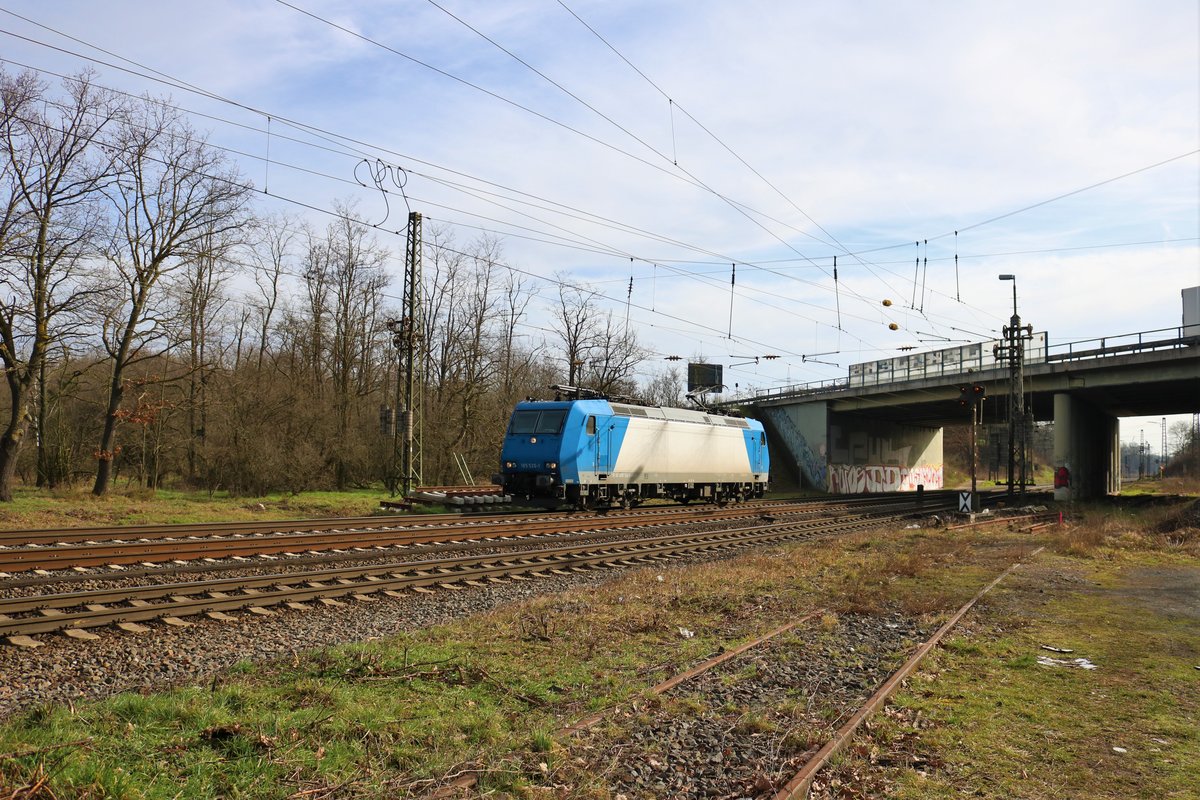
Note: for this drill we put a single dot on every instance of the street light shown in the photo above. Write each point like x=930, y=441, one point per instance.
x=1012, y=278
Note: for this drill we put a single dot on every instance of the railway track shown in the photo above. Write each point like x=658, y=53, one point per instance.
x=143, y=533
x=22, y=551
x=75, y=612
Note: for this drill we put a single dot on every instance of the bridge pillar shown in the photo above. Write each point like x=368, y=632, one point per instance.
x=875, y=455
x=1086, y=442
x=802, y=432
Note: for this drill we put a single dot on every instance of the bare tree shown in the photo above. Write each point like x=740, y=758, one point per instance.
x=318, y=263
x=444, y=278
x=173, y=194
x=515, y=299
x=576, y=325
x=357, y=280
x=202, y=300
x=52, y=171
x=665, y=389
x=599, y=350
x=270, y=255
x=477, y=365
x=612, y=358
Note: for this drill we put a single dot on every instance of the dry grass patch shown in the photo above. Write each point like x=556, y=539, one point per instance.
x=984, y=718
x=1097, y=532
x=392, y=718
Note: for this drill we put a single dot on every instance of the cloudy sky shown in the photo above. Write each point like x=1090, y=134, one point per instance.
x=669, y=141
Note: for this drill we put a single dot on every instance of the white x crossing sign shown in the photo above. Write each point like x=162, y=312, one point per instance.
x=964, y=502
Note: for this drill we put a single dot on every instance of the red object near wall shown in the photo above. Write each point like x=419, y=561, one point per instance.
x=1062, y=478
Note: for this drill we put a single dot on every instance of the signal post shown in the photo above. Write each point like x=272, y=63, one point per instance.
x=972, y=395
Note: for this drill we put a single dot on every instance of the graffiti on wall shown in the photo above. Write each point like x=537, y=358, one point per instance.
x=811, y=462
x=856, y=479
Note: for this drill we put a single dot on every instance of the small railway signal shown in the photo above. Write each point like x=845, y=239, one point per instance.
x=971, y=395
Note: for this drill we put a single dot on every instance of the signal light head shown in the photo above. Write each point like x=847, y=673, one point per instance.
x=970, y=395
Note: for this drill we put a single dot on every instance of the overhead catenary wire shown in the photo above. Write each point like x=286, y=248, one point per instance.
x=597, y=248
x=302, y=126
x=714, y=137
x=209, y=94
x=595, y=293
x=400, y=232
x=692, y=178
x=836, y=283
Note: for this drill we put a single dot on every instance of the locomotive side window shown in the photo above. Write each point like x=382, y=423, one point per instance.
x=591, y=426
x=551, y=421
x=523, y=422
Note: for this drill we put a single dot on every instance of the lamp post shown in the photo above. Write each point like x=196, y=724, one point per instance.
x=1015, y=347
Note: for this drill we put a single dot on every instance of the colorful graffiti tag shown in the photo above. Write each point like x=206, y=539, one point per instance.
x=856, y=479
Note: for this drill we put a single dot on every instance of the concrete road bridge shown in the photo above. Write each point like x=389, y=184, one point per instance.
x=880, y=429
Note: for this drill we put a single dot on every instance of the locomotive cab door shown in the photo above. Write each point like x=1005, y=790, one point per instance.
x=600, y=440
x=757, y=442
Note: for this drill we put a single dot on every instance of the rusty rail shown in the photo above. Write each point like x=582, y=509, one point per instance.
x=798, y=787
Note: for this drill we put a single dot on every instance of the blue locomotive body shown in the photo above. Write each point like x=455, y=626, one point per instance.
x=596, y=453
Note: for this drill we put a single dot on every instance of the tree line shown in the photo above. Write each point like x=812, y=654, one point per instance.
x=157, y=328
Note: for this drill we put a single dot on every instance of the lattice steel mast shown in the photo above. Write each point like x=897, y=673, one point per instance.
x=408, y=338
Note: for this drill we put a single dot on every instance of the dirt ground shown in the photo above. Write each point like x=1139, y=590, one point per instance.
x=1169, y=591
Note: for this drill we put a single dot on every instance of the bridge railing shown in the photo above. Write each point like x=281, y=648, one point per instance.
x=1106, y=346
x=811, y=387
x=1083, y=349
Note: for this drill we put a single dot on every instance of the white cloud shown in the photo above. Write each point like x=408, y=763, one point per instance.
x=887, y=123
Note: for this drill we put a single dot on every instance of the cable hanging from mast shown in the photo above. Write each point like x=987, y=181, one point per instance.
x=924, y=272
x=732, y=282
x=837, y=295
x=957, y=293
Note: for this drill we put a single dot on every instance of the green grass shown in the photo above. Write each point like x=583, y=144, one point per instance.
x=391, y=718
x=386, y=716
x=77, y=507
x=1006, y=726
x=983, y=718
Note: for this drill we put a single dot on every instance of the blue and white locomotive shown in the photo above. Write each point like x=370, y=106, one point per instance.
x=596, y=453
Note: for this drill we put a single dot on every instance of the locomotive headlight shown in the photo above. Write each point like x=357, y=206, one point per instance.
x=551, y=465
x=510, y=465
x=533, y=440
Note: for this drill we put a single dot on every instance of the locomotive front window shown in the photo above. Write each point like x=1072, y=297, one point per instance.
x=591, y=426
x=524, y=422
x=551, y=421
